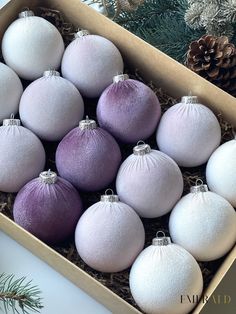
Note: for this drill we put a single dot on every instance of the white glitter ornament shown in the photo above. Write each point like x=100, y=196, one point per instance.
x=162, y=275
x=220, y=171
x=22, y=156
x=109, y=235
x=51, y=106
x=31, y=45
x=204, y=223
x=91, y=62
x=188, y=132
x=11, y=90
x=149, y=181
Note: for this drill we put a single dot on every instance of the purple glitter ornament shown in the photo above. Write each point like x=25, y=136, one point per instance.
x=49, y=207
x=128, y=109
x=88, y=157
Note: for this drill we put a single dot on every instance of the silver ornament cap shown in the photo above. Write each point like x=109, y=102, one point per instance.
x=48, y=177
x=120, y=78
x=50, y=73
x=141, y=149
x=82, y=33
x=11, y=122
x=199, y=187
x=87, y=124
x=26, y=13
x=161, y=240
x=190, y=100
x=111, y=198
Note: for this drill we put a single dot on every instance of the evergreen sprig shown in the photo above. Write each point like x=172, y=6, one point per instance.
x=19, y=295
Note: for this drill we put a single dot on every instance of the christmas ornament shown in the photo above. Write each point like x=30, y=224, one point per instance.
x=188, y=132
x=49, y=207
x=90, y=62
x=32, y=45
x=128, y=109
x=149, y=181
x=22, y=156
x=88, y=157
x=220, y=171
x=109, y=235
x=214, y=58
x=51, y=106
x=163, y=275
x=10, y=91
x=204, y=223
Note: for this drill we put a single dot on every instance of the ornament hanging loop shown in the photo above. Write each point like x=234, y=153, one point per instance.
x=141, y=148
x=12, y=121
x=161, y=240
x=112, y=198
x=199, y=187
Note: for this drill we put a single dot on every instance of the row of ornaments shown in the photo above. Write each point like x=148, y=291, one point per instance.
x=109, y=237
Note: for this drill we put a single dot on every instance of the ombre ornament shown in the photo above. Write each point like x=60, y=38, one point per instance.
x=188, y=132
x=161, y=274
x=49, y=207
x=31, y=45
x=90, y=62
x=88, y=157
x=149, y=181
x=109, y=235
x=128, y=109
x=22, y=156
x=204, y=223
x=11, y=90
x=51, y=106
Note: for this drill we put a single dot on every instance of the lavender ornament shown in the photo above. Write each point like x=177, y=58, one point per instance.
x=11, y=90
x=22, y=156
x=128, y=109
x=109, y=235
x=49, y=207
x=149, y=181
x=188, y=132
x=90, y=62
x=88, y=157
x=31, y=45
x=51, y=106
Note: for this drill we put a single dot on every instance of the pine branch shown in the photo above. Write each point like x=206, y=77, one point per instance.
x=19, y=295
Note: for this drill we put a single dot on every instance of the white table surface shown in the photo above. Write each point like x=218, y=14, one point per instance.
x=60, y=296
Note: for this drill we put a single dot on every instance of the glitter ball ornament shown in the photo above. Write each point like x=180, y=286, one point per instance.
x=149, y=181
x=10, y=91
x=49, y=207
x=51, y=106
x=204, y=223
x=188, y=132
x=220, y=171
x=161, y=274
x=128, y=109
x=88, y=157
x=32, y=45
x=90, y=62
x=22, y=156
x=109, y=235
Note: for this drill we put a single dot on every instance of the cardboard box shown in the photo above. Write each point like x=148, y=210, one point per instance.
x=153, y=65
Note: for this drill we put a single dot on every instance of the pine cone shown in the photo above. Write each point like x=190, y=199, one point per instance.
x=214, y=58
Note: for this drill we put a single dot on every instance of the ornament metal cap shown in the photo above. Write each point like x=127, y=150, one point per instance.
x=87, y=124
x=82, y=33
x=120, y=78
x=12, y=121
x=112, y=198
x=190, y=100
x=50, y=73
x=141, y=149
x=48, y=177
x=161, y=240
x=199, y=187
x=26, y=13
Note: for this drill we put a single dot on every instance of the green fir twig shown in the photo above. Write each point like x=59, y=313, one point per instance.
x=19, y=295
